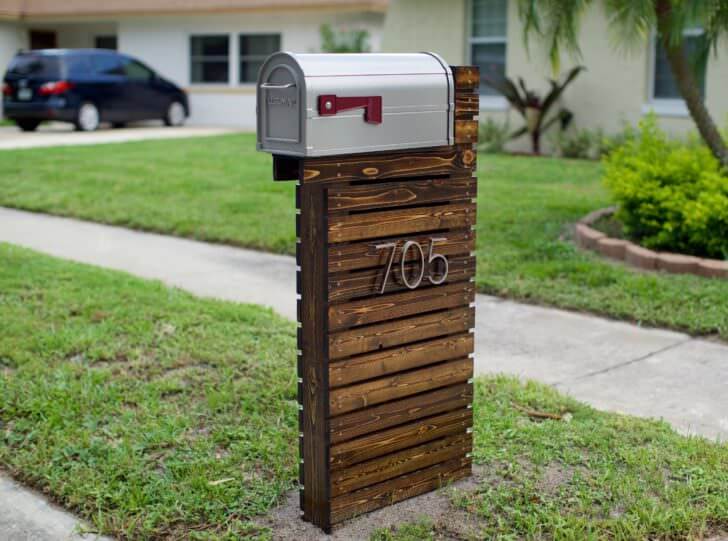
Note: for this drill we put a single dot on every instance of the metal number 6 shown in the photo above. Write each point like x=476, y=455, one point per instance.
x=405, y=248
x=435, y=257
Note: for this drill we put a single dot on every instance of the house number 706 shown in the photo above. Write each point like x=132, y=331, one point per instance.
x=413, y=245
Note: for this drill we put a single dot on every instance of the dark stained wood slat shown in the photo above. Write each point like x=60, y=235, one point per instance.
x=388, y=441
x=352, y=285
x=376, y=418
x=386, y=223
x=466, y=77
x=467, y=105
x=399, y=489
x=399, y=463
x=450, y=160
x=393, y=194
x=314, y=345
x=370, y=393
x=395, y=333
x=466, y=131
x=396, y=305
x=362, y=255
x=390, y=361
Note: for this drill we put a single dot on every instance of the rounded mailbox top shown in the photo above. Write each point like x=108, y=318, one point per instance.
x=345, y=64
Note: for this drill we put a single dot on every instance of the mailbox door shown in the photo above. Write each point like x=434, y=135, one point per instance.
x=280, y=104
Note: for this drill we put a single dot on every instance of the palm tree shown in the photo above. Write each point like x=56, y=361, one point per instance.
x=634, y=21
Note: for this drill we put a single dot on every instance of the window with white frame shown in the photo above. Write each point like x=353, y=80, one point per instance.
x=210, y=59
x=663, y=85
x=253, y=50
x=488, y=40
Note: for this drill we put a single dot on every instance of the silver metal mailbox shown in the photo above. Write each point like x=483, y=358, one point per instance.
x=330, y=104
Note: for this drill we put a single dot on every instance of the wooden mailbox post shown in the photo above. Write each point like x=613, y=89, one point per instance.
x=385, y=346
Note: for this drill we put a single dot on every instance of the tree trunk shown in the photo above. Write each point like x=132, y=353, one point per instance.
x=688, y=85
x=536, y=142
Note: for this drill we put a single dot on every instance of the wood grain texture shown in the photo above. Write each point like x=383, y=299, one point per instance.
x=396, y=305
x=389, y=361
x=393, y=333
x=466, y=131
x=451, y=161
x=363, y=254
x=399, y=463
x=381, y=443
x=466, y=77
x=370, y=393
x=314, y=347
x=394, y=194
x=372, y=225
x=365, y=421
x=368, y=282
x=467, y=105
x=401, y=488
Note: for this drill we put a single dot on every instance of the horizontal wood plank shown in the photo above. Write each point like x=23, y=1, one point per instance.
x=399, y=489
x=377, y=444
x=466, y=131
x=467, y=105
x=395, y=333
x=393, y=194
x=466, y=77
x=376, y=418
x=449, y=160
x=352, y=285
x=390, y=361
x=393, y=465
x=370, y=393
x=396, y=305
x=363, y=254
x=372, y=225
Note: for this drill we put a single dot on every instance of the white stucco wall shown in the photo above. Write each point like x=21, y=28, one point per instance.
x=163, y=43
x=12, y=38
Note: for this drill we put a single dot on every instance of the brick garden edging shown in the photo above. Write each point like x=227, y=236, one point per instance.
x=589, y=238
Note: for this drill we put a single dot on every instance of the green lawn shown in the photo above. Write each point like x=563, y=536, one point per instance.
x=154, y=415
x=220, y=189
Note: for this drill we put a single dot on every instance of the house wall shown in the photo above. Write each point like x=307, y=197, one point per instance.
x=163, y=43
x=615, y=88
x=12, y=38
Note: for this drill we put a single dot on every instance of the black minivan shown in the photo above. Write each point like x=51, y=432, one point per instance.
x=87, y=87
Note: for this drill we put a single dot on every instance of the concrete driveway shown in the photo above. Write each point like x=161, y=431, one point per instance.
x=58, y=134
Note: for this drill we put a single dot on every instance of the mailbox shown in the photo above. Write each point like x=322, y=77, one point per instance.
x=333, y=104
x=383, y=151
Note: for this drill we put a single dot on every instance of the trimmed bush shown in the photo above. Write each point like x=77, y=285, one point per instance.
x=672, y=195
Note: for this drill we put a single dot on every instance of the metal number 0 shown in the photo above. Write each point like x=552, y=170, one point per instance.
x=405, y=249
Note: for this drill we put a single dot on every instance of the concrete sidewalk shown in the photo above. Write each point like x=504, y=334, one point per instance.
x=612, y=365
x=57, y=134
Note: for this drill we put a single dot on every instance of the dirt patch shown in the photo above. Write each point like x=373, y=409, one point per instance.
x=448, y=521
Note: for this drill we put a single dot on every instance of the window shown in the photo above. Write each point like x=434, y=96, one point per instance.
x=209, y=59
x=488, y=40
x=105, y=42
x=136, y=71
x=664, y=86
x=254, y=49
x=108, y=64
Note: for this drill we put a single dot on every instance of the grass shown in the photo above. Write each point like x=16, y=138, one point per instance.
x=157, y=415
x=220, y=189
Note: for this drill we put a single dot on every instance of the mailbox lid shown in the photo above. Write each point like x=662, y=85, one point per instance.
x=416, y=92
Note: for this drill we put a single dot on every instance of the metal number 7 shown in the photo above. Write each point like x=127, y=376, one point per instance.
x=393, y=246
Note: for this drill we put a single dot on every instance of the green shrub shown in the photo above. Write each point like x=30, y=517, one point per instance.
x=492, y=135
x=672, y=195
x=580, y=144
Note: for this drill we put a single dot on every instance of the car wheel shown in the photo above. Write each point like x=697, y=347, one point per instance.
x=175, y=115
x=28, y=125
x=87, y=118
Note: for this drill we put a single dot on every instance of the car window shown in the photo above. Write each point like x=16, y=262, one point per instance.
x=108, y=64
x=35, y=65
x=80, y=66
x=137, y=71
